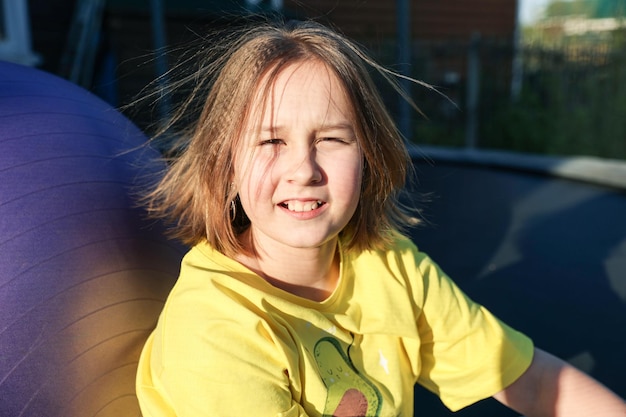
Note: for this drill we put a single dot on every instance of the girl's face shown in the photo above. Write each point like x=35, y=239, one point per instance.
x=299, y=170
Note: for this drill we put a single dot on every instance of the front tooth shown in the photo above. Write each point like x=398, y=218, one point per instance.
x=300, y=206
x=296, y=206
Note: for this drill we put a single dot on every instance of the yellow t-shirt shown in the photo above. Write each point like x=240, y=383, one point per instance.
x=230, y=344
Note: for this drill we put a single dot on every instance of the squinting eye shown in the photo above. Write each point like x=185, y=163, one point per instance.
x=333, y=140
x=271, y=142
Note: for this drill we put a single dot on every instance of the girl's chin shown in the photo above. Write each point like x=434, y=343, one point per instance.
x=305, y=241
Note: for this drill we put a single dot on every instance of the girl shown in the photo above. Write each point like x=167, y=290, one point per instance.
x=300, y=297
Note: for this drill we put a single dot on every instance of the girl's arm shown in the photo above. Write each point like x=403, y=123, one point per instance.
x=551, y=387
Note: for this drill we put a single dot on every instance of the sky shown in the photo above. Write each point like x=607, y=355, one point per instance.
x=531, y=9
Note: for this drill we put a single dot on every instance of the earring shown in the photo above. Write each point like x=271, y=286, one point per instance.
x=233, y=202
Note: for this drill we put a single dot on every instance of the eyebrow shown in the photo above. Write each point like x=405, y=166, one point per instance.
x=324, y=128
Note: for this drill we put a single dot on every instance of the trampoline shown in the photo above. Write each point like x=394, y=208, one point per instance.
x=541, y=242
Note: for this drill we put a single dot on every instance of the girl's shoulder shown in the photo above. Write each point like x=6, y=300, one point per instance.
x=399, y=247
x=207, y=274
x=400, y=257
x=203, y=255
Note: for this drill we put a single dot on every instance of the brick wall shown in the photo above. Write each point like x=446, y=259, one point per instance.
x=430, y=19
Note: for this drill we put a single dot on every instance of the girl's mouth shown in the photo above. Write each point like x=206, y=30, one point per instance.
x=302, y=206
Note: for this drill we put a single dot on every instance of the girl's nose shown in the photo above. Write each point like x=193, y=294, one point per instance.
x=303, y=168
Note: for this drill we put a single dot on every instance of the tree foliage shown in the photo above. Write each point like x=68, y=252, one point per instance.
x=589, y=8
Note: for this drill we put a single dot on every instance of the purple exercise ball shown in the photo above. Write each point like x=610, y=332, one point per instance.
x=83, y=274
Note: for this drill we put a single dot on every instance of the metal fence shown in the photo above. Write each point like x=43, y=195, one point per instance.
x=565, y=100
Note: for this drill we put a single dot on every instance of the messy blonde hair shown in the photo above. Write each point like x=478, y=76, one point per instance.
x=197, y=193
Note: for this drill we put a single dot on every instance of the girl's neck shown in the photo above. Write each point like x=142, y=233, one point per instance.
x=310, y=273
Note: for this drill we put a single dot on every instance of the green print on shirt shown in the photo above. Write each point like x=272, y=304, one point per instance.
x=349, y=393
